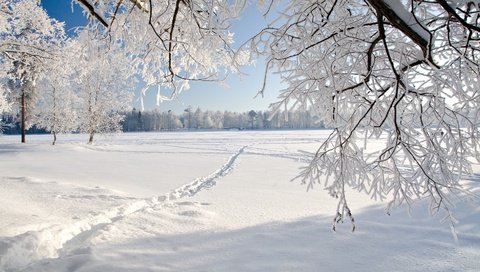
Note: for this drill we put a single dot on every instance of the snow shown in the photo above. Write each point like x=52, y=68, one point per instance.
x=408, y=18
x=205, y=201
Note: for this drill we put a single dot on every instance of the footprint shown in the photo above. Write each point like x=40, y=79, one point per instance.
x=190, y=213
x=185, y=203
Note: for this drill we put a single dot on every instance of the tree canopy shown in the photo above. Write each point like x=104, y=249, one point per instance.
x=403, y=71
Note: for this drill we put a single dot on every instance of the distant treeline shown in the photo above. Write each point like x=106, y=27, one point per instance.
x=156, y=120
x=10, y=125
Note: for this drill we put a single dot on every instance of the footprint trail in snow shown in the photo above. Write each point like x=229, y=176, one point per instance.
x=23, y=249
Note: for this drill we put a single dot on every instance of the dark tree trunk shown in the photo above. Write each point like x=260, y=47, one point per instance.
x=54, y=138
x=90, y=139
x=24, y=111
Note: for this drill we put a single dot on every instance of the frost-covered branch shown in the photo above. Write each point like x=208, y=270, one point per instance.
x=397, y=14
x=91, y=10
x=173, y=42
x=397, y=78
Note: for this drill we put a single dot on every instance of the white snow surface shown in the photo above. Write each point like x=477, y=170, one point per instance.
x=205, y=201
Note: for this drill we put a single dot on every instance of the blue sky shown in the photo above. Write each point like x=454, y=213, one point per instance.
x=237, y=95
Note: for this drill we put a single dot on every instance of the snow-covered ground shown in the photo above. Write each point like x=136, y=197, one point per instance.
x=204, y=201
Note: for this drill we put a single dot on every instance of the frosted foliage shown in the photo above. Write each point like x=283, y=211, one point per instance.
x=57, y=109
x=4, y=105
x=103, y=84
x=174, y=42
x=3, y=17
x=411, y=83
x=28, y=40
x=28, y=31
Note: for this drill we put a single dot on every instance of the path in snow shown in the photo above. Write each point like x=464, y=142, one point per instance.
x=267, y=224
x=253, y=220
x=32, y=246
x=203, y=183
x=50, y=242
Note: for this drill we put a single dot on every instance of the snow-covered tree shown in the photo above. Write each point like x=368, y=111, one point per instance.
x=4, y=105
x=28, y=39
x=57, y=108
x=403, y=72
x=252, y=115
x=208, y=120
x=104, y=84
x=197, y=119
x=217, y=119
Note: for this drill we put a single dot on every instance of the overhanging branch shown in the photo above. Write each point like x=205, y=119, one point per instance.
x=91, y=9
x=92, y=12
x=398, y=19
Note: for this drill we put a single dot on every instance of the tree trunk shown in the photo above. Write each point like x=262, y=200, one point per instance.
x=23, y=113
x=54, y=116
x=90, y=139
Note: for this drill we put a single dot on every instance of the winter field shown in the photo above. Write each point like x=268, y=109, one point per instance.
x=205, y=201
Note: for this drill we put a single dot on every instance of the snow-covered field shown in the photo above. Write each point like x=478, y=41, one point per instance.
x=204, y=201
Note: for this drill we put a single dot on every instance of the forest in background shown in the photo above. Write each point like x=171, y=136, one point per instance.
x=156, y=120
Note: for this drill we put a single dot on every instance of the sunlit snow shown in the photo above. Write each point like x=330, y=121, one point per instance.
x=204, y=201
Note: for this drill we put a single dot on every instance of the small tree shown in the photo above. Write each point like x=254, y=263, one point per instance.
x=4, y=105
x=57, y=109
x=102, y=84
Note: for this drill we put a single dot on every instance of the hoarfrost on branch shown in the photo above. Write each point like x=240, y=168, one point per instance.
x=403, y=73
